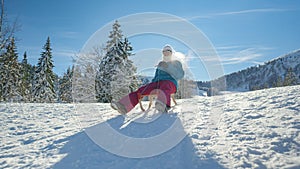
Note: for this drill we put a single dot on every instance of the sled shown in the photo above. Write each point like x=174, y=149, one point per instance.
x=151, y=98
x=147, y=116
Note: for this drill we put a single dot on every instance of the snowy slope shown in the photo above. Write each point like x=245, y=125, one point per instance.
x=265, y=75
x=258, y=129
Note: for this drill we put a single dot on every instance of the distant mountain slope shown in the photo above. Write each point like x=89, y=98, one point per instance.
x=282, y=71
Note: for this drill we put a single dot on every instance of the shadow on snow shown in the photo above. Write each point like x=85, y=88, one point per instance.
x=82, y=152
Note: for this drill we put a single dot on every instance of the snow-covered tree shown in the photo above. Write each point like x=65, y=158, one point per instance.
x=290, y=78
x=116, y=74
x=277, y=82
x=10, y=74
x=83, y=79
x=125, y=80
x=108, y=69
x=43, y=87
x=115, y=36
x=26, y=74
x=65, y=86
x=130, y=68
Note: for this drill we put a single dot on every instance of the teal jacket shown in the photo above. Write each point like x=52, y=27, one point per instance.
x=169, y=71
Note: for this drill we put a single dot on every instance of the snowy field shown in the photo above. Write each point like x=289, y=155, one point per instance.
x=257, y=129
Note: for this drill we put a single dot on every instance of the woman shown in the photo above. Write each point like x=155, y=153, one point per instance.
x=167, y=74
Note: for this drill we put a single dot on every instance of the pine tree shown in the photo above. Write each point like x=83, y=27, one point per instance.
x=290, y=78
x=116, y=75
x=278, y=82
x=10, y=74
x=26, y=79
x=65, y=89
x=43, y=88
x=115, y=36
x=125, y=80
x=130, y=69
x=108, y=65
x=107, y=70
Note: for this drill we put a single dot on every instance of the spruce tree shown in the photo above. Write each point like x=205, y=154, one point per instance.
x=278, y=82
x=104, y=78
x=10, y=74
x=65, y=86
x=116, y=74
x=26, y=79
x=43, y=88
x=290, y=78
x=130, y=68
x=124, y=79
x=115, y=36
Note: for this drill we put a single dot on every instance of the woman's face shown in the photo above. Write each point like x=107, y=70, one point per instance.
x=167, y=55
x=167, y=52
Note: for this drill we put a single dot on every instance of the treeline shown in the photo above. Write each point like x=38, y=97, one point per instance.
x=103, y=76
x=23, y=82
x=289, y=79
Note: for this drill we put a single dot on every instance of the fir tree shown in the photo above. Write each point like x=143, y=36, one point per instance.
x=10, y=74
x=107, y=71
x=116, y=75
x=290, y=78
x=278, y=82
x=130, y=69
x=65, y=89
x=115, y=36
x=125, y=80
x=26, y=79
x=43, y=88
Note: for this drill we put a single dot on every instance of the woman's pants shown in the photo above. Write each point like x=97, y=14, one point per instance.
x=163, y=89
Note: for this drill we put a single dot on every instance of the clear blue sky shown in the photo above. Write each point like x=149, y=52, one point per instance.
x=244, y=32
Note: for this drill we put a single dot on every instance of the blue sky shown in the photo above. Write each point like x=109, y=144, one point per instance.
x=243, y=32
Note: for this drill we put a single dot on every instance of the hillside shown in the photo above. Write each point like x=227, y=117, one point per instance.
x=277, y=72
x=258, y=129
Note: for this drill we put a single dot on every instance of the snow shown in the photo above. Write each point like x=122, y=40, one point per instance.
x=258, y=129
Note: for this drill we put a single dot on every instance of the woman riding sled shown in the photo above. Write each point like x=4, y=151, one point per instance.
x=164, y=83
